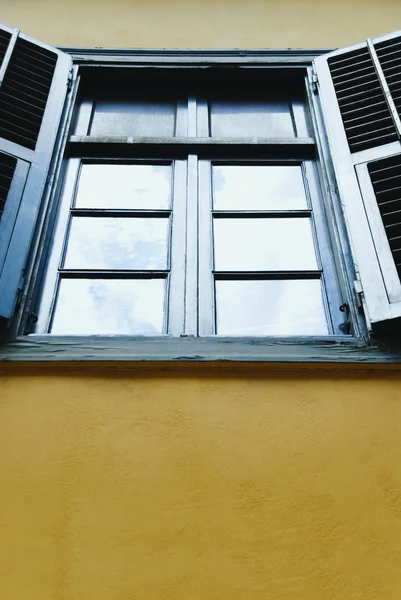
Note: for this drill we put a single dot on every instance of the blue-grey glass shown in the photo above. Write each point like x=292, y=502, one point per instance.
x=134, y=118
x=117, y=243
x=109, y=307
x=262, y=244
x=284, y=307
x=257, y=187
x=238, y=118
x=124, y=186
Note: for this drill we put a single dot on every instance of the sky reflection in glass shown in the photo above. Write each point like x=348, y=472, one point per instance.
x=109, y=307
x=117, y=243
x=264, y=244
x=257, y=308
x=254, y=187
x=124, y=186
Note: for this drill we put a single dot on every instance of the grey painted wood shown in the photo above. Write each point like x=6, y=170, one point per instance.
x=191, y=266
x=334, y=350
x=29, y=204
x=206, y=282
x=295, y=58
x=362, y=242
x=8, y=54
x=176, y=300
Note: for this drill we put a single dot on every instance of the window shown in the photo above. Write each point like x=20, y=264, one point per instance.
x=171, y=221
x=199, y=198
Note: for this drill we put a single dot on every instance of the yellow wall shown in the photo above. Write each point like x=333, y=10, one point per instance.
x=200, y=484
x=200, y=487
x=203, y=23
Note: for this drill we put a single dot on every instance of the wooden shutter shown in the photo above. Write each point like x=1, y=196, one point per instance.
x=359, y=90
x=33, y=88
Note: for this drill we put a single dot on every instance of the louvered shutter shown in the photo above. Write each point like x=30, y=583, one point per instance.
x=33, y=88
x=359, y=95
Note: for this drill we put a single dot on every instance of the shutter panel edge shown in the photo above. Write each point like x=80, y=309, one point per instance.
x=23, y=209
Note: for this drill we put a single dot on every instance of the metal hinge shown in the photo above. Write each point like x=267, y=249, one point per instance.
x=315, y=82
x=359, y=295
x=31, y=320
x=20, y=292
x=69, y=81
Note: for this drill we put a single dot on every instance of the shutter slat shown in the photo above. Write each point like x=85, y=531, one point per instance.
x=356, y=95
x=385, y=175
x=5, y=37
x=38, y=65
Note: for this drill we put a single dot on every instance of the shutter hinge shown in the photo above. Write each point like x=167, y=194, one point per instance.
x=69, y=81
x=315, y=82
x=31, y=320
x=345, y=327
x=359, y=296
x=20, y=292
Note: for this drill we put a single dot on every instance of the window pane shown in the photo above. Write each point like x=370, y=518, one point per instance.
x=258, y=188
x=235, y=118
x=264, y=244
x=134, y=118
x=117, y=243
x=124, y=186
x=288, y=307
x=109, y=306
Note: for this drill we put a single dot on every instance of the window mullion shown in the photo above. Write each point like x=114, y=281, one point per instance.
x=206, y=279
x=176, y=301
x=191, y=267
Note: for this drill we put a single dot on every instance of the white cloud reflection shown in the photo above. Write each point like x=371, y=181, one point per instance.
x=109, y=307
x=117, y=243
x=256, y=187
x=263, y=244
x=124, y=186
x=257, y=308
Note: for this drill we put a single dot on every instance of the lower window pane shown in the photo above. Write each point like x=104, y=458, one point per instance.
x=279, y=307
x=109, y=306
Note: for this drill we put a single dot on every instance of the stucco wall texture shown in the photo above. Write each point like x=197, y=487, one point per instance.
x=203, y=486
x=203, y=23
x=200, y=484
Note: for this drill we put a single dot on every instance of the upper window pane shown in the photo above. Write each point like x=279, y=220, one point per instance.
x=243, y=187
x=118, y=186
x=240, y=118
x=134, y=118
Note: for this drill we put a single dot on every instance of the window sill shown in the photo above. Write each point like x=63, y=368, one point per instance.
x=127, y=349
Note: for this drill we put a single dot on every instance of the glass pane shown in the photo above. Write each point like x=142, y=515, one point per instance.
x=109, y=306
x=288, y=307
x=264, y=244
x=258, y=188
x=251, y=119
x=117, y=243
x=124, y=186
x=134, y=118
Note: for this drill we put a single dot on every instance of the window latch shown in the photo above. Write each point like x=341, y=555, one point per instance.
x=315, y=89
x=346, y=326
x=69, y=82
